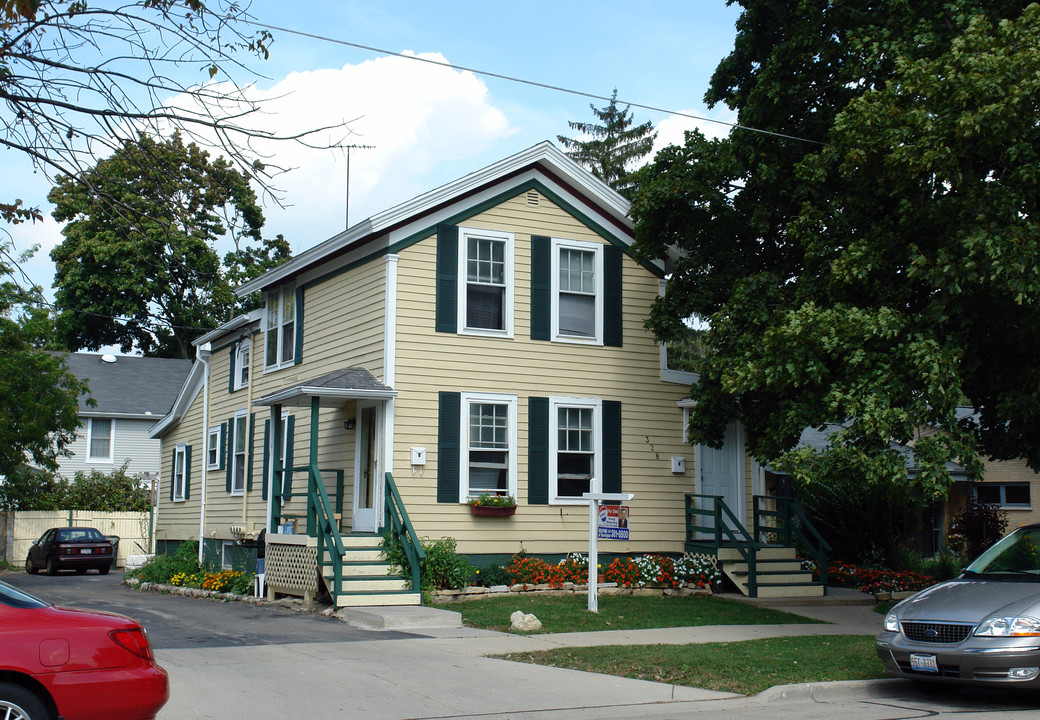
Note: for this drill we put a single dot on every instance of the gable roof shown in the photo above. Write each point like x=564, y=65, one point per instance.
x=127, y=386
x=541, y=166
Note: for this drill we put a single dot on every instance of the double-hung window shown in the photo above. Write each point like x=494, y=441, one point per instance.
x=485, y=302
x=280, y=327
x=99, y=439
x=180, y=472
x=488, y=445
x=575, y=446
x=577, y=291
x=239, y=453
x=214, y=447
x=240, y=378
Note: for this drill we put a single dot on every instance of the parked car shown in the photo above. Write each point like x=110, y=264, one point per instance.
x=70, y=548
x=982, y=627
x=74, y=664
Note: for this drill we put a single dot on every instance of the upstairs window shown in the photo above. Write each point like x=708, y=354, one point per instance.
x=99, y=439
x=181, y=475
x=238, y=453
x=214, y=447
x=486, y=295
x=240, y=378
x=280, y=327
x=577, y=292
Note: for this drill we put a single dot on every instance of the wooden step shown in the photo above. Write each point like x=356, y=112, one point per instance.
x=362, y=599
x=373, y=583
x=361, y=540
x=365, y=567
x=770, y=552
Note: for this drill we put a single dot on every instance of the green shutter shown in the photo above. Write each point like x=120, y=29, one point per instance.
x=250, y=453
x=267, y=460
x=448, y=446
x=447, y=279
x=229, y=466
x=298, y=325
x=231, y=369
x=287, y=461
x=538, y=451
x=222, y=452
x=541, y=287
x=187, y=471
x=612, y=296
x=173, y=471
x=611, y=446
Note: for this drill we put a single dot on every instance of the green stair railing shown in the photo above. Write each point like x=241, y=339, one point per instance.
x=788, y=522
x=720, y=533
x=399, y=526
x=322, y=524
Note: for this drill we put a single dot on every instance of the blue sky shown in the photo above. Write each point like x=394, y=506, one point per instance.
x=431, y=125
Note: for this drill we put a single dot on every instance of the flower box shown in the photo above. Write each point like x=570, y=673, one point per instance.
x=492, y=511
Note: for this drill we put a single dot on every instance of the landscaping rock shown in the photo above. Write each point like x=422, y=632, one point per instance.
x=520, y=621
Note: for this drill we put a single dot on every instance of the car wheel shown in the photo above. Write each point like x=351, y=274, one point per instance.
x=30, y=568
x=52, y=567
x=18, y=703
x=104, y=570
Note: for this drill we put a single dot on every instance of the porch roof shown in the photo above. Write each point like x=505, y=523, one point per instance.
x=351, y=383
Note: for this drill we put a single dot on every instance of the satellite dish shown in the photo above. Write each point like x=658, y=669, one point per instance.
x=107, y=358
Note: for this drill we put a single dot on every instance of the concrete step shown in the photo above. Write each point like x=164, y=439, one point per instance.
x=362, y=599
x=401, y=617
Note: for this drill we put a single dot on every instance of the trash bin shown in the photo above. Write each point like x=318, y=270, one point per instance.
x=114, y=539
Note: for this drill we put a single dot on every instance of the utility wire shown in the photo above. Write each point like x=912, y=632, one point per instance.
x=522, y=81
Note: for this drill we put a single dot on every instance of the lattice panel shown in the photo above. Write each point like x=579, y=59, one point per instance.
x=292, y=569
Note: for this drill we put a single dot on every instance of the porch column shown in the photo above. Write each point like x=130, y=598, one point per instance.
x=313, y=476
x=274, y=471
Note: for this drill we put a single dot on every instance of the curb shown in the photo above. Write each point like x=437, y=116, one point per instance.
x=838, y=690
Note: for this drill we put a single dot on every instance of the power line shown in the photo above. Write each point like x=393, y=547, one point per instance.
x=522, y=81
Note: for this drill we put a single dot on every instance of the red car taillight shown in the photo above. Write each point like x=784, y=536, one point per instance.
x=134, y=640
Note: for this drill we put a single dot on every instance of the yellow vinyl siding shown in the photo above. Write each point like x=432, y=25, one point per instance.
x=180, y=520
x=428, y=362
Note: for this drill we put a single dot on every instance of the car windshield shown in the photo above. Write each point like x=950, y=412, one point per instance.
x=1016, y=554
x=13, y=597
x=80, y=535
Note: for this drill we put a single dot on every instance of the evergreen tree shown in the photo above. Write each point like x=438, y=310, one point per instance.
x=614, y=145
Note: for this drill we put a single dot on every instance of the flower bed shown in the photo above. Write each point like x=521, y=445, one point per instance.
x=871, y=580
x=698, y=571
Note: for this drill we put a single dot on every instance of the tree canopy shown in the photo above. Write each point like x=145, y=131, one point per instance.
x=867, y=254
x=613, y=146
x=38, y=396
x=149, y=277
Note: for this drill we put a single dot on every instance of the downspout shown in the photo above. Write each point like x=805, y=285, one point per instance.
x=249, y=416
x=202, y=354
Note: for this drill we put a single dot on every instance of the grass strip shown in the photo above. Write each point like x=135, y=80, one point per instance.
x=569, y=613
x=746, y=668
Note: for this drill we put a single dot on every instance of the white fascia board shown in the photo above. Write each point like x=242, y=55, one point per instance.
x=189, y=391
x=544, y=153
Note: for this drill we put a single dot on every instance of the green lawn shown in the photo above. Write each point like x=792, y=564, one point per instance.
x=739, y=667
x=569, y=613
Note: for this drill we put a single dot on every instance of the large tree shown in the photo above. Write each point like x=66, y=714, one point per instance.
x=865, y=244
x=144, y=272
x=38, y=396
x=611, y=147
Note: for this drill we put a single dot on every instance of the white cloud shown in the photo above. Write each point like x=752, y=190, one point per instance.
x=671, y=130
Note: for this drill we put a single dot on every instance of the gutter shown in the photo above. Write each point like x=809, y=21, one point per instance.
x=202, y=354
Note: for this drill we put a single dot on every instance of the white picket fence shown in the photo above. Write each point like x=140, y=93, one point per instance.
x=25, y=526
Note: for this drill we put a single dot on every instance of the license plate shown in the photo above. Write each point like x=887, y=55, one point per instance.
x=86, y=551
x=923, y=663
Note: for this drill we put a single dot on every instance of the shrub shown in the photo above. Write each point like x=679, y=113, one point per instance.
x=162, y=568
x=493, y=574
x=442, y=568
x=977, y=526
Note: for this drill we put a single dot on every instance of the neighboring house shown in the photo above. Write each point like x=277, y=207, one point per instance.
x=130, y=394
x=487, y=336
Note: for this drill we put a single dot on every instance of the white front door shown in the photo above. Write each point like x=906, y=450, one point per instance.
x=368, y=485
x=721, y=472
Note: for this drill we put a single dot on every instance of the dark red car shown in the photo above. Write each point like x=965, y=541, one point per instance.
x=74, y=664
x=70, y=548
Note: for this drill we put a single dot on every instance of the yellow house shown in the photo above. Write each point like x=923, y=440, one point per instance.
x=486, y=337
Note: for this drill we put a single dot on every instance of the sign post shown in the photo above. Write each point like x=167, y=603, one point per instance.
x=595, y=500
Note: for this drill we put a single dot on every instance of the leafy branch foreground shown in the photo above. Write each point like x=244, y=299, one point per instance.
x=740, y=667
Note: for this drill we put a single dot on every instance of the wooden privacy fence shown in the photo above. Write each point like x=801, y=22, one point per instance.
x=18, y=530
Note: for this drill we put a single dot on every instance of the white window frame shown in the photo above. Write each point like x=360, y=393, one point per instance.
x=465, y=234
x=180, y=460
x=227, y=551
x=559, y=244
x=1003, y=503
x=511, y=401
x=91, y=457
x=242, y=355
x=241, y=417
x=555, y=403
x=213, y=448
x=274, y=321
